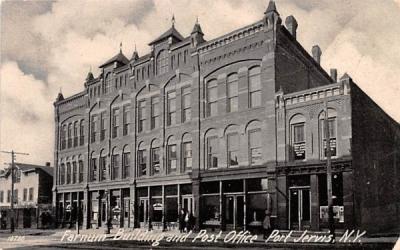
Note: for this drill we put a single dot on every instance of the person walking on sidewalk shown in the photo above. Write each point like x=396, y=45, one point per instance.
x=267, y=224
x=182, y=216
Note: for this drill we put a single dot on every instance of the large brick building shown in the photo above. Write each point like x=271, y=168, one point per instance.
x=225, y=129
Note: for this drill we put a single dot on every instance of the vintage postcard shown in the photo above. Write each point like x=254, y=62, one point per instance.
x=200, y=124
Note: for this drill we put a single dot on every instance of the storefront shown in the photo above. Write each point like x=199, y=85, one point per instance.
x=236, y=204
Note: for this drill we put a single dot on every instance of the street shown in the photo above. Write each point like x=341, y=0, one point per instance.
x=52, y=239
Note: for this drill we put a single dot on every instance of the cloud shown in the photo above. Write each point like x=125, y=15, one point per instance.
x=26, y=115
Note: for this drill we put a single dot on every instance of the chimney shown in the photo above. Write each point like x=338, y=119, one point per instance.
x=47, y=164
x=316, y=53
x=291, y=25
x=334, y=75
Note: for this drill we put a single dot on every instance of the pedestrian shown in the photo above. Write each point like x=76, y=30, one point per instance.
x=182, y=216
x=187, y=221
x=267, y=224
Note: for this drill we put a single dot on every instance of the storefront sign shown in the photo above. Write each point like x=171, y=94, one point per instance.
x=338, y=213
x=157, y=206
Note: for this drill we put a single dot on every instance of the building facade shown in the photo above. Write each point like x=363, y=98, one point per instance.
x=32, y=196
x=228, y=130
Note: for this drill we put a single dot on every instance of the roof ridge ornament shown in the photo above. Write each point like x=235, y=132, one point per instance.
x=173, y=20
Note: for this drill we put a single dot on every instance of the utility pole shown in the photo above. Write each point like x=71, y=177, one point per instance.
x=12, y=184
x=329, y=173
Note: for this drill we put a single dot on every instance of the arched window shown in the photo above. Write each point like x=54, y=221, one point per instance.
x=332, y=125
x=115, y=165
x=142, y=160
x=82, y=132
x=103, y=165
x=232, y=146
x=255, y=143
x=232, y=93
x=298, y=137
x=155, y=156
x=93, y=168
x=187, y=152
x=254, y=87
x=162, y=62
x=212, y=98
x=171, y=155
x=212, y=149
x=80, y=170
x=126, y=163
x=62, y=173
x=74, y=170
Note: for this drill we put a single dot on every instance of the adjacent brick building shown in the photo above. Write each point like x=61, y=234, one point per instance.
x=225, y=129
x=32, y=195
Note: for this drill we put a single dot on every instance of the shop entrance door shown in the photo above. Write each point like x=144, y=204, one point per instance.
x=299, y=208
x=187, y=204
x=103, y=209
x=144, y=212
x=126, y=212
x=234, y=212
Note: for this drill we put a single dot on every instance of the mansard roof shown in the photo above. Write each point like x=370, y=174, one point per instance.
x=120, y=58
x=171, y=32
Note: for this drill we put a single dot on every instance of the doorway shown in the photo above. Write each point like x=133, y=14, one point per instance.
x=144, y=212
x=299, y=208
x=234, y=212
x=187, y=204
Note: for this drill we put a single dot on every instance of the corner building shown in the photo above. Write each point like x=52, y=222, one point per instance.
x=226, y=129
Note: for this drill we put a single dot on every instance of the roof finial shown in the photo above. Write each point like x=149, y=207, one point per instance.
x=173, y=20
x=120, y=47
x=197, y=19
x=135, y=47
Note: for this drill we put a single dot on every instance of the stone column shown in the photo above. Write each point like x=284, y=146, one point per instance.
x=221, y=206
x=314, y=202
x=196, y=198
x=348, y=200
x=133, y=218
x=282, y=202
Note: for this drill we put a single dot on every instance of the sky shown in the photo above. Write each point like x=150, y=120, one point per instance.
x=51, y=45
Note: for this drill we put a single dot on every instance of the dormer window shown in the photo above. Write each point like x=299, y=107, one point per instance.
x=162, y=62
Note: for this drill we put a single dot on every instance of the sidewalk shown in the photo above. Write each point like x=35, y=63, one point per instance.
x=37, y=237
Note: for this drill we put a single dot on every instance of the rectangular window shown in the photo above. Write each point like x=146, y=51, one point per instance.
x=212, y=152
x=75, y=134
x=126, y=161
x=93, y=129
x=298, y=141
x=141, y=115
x=82, y=133
x=74, y=172
x=142, y=162
x=9, y=196
x=93, y=169
x=254, y=87
x=155, y=112
x=126, y=119
x=233, y=150
x=30, y=194
x=187, y=156
x=255, y=147
x=25, y=195
x=212, y=98
x=103, y=168
x=171, y=158
x=115, y=123
x=80, y=164
x=155, y=161
x=115, y=167
x=232, y=93
x=103, y=126
x=186, y=104
x=1, y=196
x=332, y=136
x=68, y=173
x=16, y=196
x=171, y=108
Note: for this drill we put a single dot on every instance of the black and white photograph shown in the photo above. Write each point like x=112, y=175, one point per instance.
x=200, y=124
